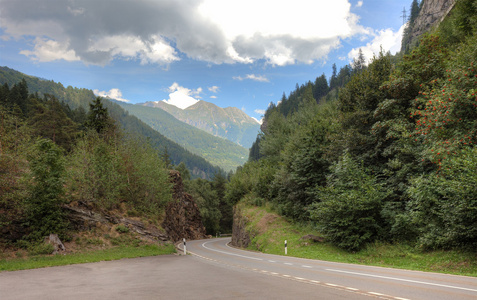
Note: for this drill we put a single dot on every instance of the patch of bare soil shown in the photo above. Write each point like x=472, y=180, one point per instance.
x=265, y=222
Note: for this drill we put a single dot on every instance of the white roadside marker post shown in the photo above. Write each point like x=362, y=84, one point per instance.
x=286, y=250
x=185, y=249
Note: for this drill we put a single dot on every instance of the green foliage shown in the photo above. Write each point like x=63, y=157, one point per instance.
x=98, y=117
x=122, y=228
x=46, y=190
x=304, y=166
x=123, y=169
x=219, y=151
x=80, y=99
x=40, y=249
x=444, y=206
x=461, y=23
x=208, y=203
x=349, y=213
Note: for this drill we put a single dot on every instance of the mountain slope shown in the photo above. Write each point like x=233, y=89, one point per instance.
x=218, y=151
x=230, y=122
x=75, y=97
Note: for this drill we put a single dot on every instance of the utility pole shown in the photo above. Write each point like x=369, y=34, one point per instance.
x=404, y=16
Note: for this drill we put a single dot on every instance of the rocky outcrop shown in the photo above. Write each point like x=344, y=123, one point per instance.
x=182, y=218
x=54, y=240
x=240, y=236
x=430, y=15
x=84, y=217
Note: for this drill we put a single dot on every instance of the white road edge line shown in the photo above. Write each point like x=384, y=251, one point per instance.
x=228, y=253
x=406, y=280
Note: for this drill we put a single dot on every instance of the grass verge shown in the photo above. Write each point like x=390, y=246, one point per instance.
x=270, y=232
x=41, y=261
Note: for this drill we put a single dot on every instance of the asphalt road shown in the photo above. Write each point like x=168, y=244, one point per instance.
x=217, y=271
x=356, y=279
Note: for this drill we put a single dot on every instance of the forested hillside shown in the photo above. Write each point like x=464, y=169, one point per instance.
x=52, y=155
x=76, y=98
x=230, y=123
x=218, y=151
x=389, y=155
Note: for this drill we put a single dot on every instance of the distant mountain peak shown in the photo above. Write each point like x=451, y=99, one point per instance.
x=231, y=123
x=180, y=100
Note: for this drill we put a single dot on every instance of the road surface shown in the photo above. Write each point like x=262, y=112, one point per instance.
x=360, y=280
x=217, y=271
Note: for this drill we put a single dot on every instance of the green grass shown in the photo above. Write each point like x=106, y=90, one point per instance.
x=41, y=261
x=270, y=238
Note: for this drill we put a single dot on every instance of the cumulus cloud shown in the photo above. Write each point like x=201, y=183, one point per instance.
x=182, y=97
x=258, y=121
x=359, y=4
x=253, y=77
x=161, y=32
x=260, y=111
x=49, y=50
x=113, y=94
x=387, y=39
x=213, y=89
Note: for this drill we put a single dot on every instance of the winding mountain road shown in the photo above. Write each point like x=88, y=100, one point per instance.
x=217, y=271
x=360, y=280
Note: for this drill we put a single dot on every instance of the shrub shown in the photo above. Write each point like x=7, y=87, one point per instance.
x=349, y=213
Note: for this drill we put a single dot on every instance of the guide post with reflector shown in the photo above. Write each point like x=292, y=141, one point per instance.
x=286, y=250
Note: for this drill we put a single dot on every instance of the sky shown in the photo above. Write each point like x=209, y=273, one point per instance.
x=233, y=53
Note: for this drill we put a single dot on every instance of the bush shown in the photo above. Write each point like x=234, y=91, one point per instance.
x=443, y=205
x=122, y=228
x=349, y=213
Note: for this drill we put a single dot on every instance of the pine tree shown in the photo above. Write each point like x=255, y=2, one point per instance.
x=98, y=117
x=333, y=81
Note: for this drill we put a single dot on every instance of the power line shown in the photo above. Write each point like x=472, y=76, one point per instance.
x=404, y=16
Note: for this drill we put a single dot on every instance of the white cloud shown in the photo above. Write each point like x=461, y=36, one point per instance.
x=258, y=121
x=359, y=4
x=159, y=32
x=260, y=111
x=50, y=50
x=181, y=97
x=213, y=97
x=254, y=77
x=213, y=89
x=113, y=94
x=387, y=39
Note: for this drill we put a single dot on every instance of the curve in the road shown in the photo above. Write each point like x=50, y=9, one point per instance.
x=438, y=286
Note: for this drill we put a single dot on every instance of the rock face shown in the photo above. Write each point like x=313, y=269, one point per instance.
x=431, y=14
x=83, y=217
x=240, y=236
x=54, y=240
x=183, y=218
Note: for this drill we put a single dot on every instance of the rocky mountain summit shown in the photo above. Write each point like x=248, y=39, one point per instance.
x=230, y=122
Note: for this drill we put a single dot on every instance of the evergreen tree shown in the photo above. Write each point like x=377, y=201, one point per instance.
x=45, y=214
x=49, y=120
x=98, y=117
x=359, y=63
x=320, y=88
x=333, y=79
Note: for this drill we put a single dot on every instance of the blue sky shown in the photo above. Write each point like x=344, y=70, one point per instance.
x=241, y=53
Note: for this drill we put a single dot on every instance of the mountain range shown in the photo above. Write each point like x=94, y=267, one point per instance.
x=80, y=97
x=217, y=150
x=230, y=122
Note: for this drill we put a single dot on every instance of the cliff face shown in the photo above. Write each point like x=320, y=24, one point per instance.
x=183, y=218
x=431, y=14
